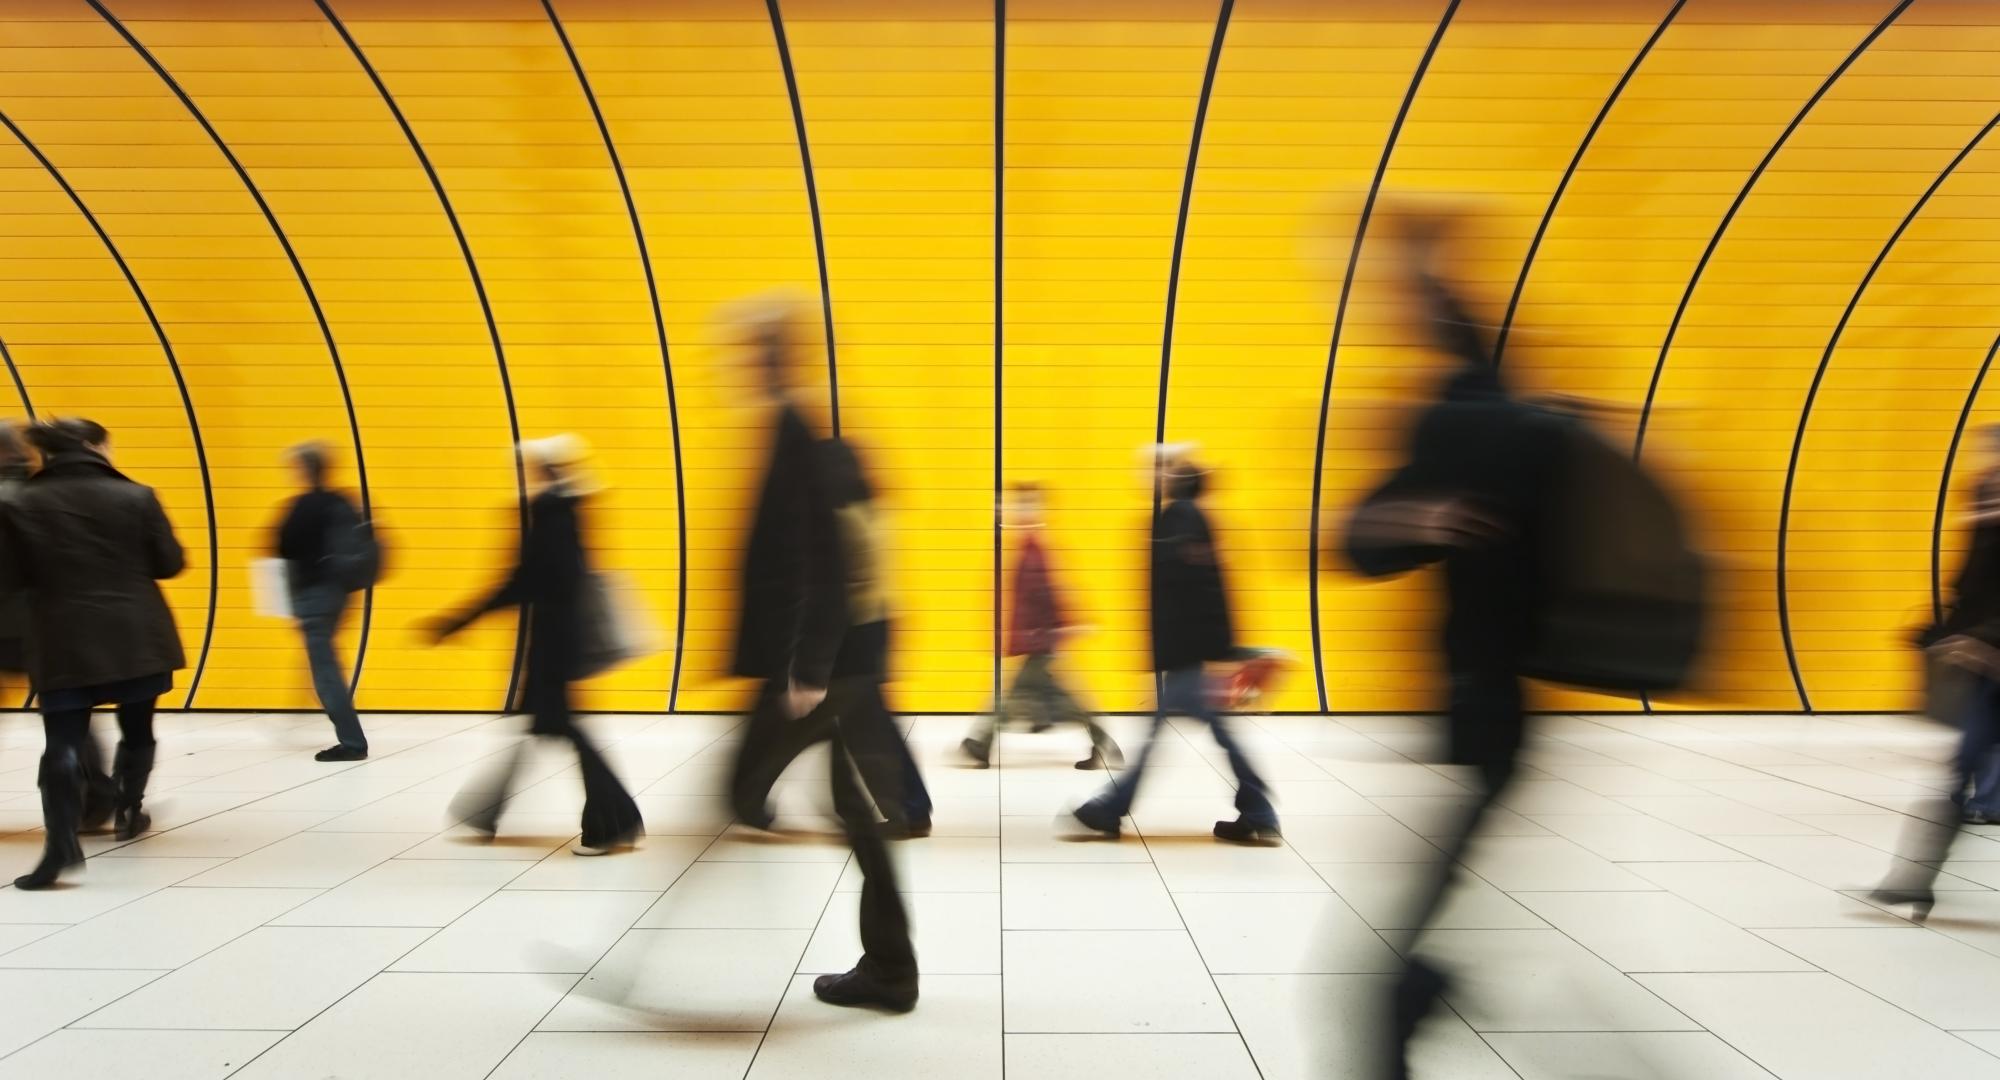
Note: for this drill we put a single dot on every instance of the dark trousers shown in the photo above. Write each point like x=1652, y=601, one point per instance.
x=1184, y=692
x=319, y=609
x=853, y=720
x=772, y=740
x=610, y=814
x=67, y=774
x=1487, y=721
x=1039, y=696
x=1927, y=840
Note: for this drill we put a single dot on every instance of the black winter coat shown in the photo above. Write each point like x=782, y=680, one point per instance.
x=547, y=584
x=1191, y=622
x=793, y=610
x=89, y=547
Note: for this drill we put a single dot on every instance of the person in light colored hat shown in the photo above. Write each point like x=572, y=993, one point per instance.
x=548, y=584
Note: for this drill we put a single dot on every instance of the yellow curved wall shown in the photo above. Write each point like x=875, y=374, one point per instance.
x=1767, y=228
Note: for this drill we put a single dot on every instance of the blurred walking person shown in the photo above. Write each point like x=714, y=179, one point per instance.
x=1964, y=651
x=89, y=547
x=813, y=627
x=325, y=545
x=549, y=585
x=1036, y=631
x=1475, y=496
x=1191, y=629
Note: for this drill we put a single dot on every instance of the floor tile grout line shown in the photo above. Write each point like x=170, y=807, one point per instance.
x=225, y=860
x=335, y=1003
x=1194, y=943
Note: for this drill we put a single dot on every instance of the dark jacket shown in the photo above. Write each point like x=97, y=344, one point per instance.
x=13, y=602
x=1191, y=621
x=793, y=608
x=306, y=535
x=1038, y=620
x=1975, y=606
x=1501, y=455
x=546, y=584
x=89, y=546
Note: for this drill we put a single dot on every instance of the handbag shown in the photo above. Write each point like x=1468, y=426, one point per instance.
x=1948, y=691
x=611, y=627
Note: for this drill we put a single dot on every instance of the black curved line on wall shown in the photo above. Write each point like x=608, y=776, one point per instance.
x=1659, y=365
x=305, y=283
x=1548, y=215
x=1812, y=394
x=659, y=330
x=1180, y=226
x=1339, y=322
x=1944, y=482
x=478, y=287
x=812, y=201
x=180, y=382
x=21, y=387
x=999, y=302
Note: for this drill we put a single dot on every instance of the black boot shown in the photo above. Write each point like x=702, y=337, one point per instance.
x=1415, y=995
x=62, y=782
x=100, y=791
x=130, y=770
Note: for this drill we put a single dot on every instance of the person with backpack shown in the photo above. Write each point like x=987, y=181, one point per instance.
x=1562, y=560
x=88, y=547
x=324, y=541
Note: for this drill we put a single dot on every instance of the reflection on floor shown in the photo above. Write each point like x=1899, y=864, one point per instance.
x=1665, y=896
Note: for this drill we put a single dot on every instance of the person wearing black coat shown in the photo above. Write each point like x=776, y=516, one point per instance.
x=1191, y=629
x=793, y=612
x=89, y=547
x=1968, y=640
x=814, y=629
x=548, y=583
x=1475, y=494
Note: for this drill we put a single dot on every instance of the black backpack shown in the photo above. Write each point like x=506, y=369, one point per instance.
x=354, y=554
x=1624, y=596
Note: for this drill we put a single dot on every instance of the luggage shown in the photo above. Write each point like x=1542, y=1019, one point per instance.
x=1624, y=590
x=611, y=629
x=354, y=554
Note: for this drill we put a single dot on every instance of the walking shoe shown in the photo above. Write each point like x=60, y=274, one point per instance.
x=1921, y=900
x=132, y=821
x=1094, y=761
x=1245, y=832
x=859, y=988
x=341, y=753
x=979, y=752
x=906, y=830
x=1098, y=820
x=1980, y=817
x=623, y=843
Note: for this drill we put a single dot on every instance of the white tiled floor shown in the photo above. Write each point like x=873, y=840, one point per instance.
x=1661, y=897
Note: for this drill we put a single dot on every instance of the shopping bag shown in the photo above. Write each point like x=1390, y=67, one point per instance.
x=613, y=628
x=271, y=588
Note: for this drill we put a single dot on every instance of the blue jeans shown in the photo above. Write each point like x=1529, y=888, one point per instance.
x=1184, y=692
x=319, y=608
x=1978, y=762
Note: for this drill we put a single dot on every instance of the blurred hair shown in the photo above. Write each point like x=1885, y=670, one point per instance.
x=564, y=458
x=67, y=435
x=311, y=459
x=1030, y=489
x=1186, y=480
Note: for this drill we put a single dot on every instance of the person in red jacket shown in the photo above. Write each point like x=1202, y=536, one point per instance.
x=1035, y=633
